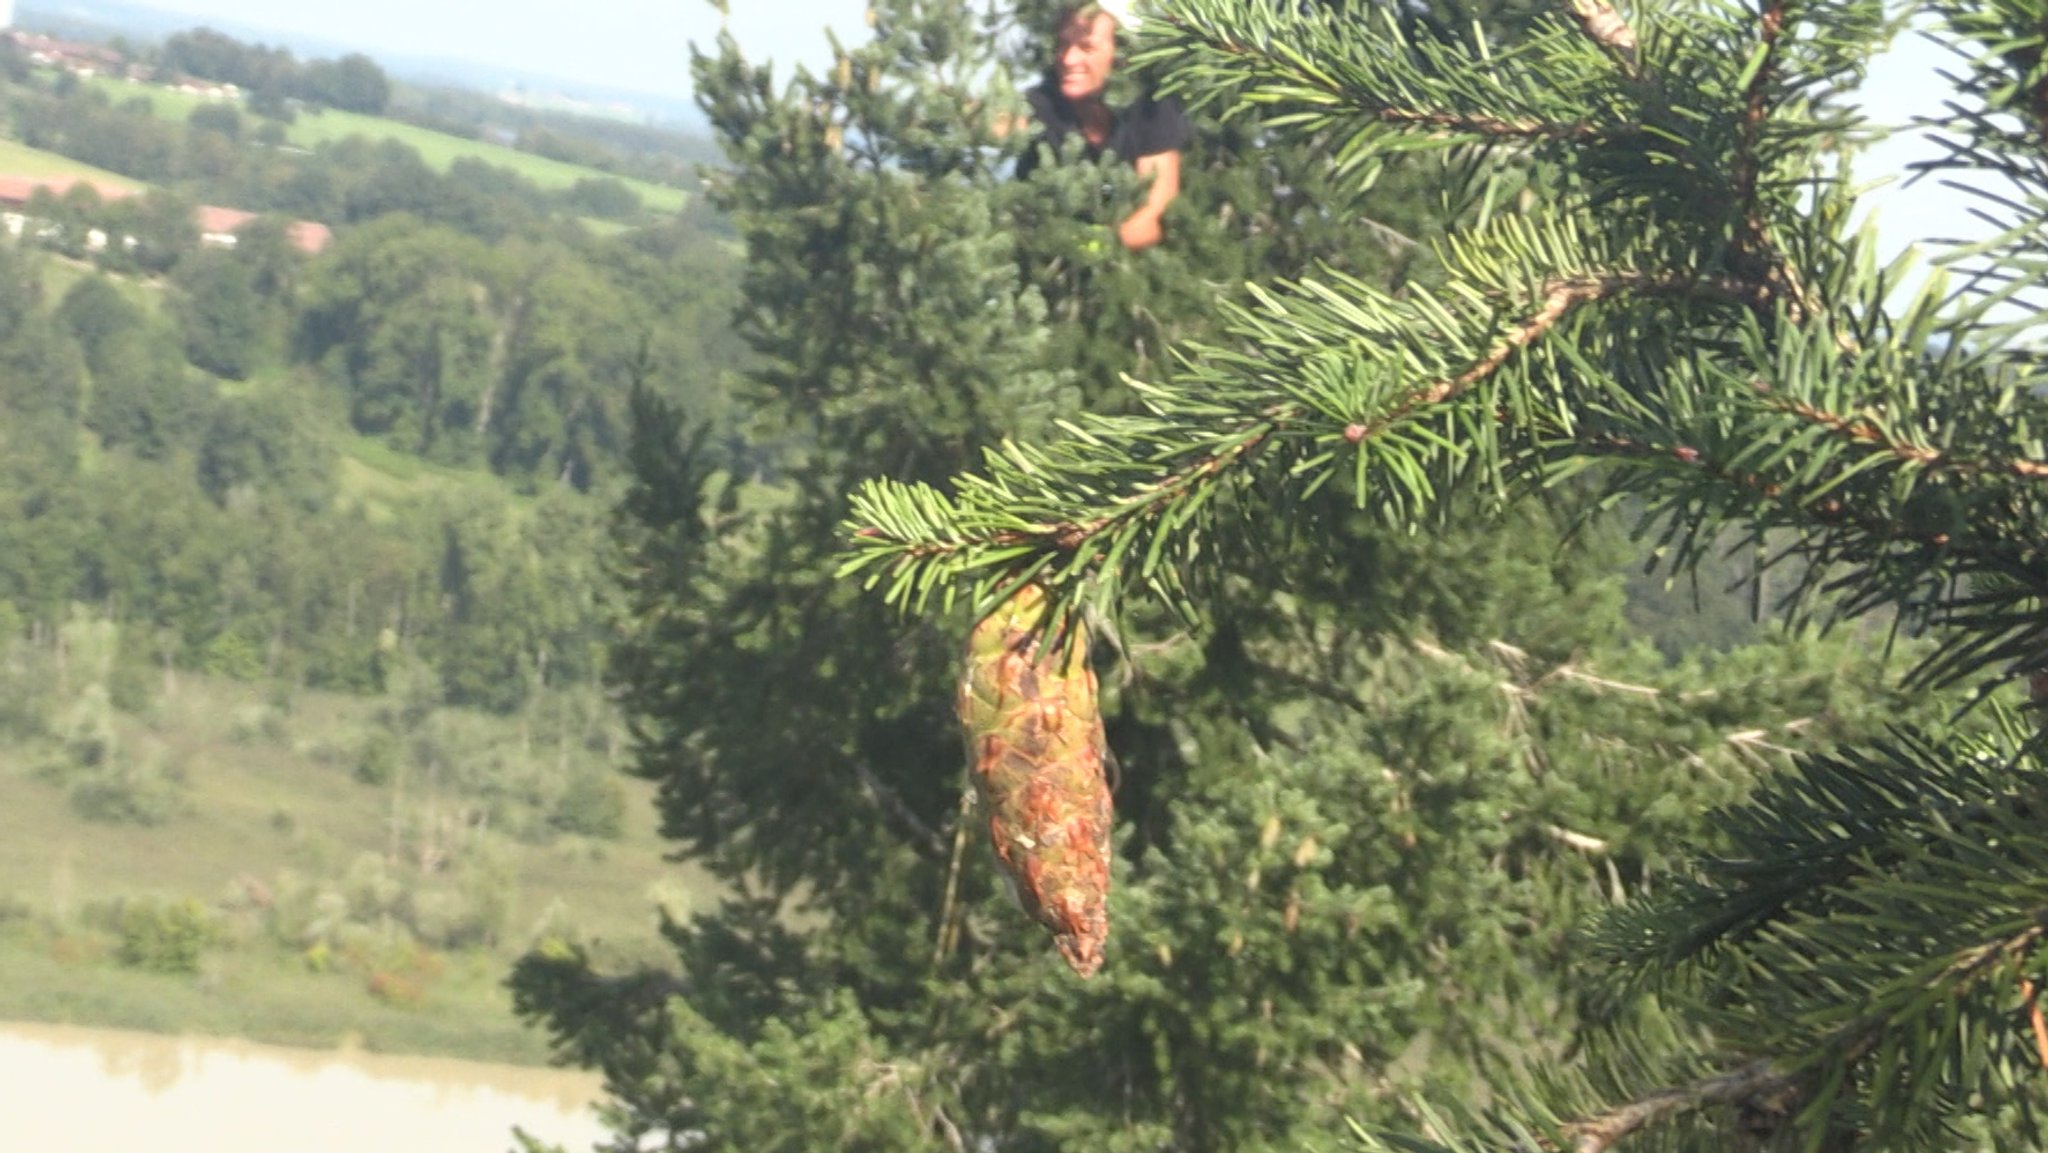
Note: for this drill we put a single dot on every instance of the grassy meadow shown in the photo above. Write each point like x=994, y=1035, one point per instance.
x=378, y=479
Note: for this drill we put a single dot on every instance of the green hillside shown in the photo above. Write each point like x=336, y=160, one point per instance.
x=304, y=597
x=439, y=149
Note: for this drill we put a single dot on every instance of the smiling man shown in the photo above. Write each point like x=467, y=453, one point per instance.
x=1074, y=99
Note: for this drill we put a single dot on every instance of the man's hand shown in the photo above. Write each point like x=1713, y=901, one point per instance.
x=1142, y=230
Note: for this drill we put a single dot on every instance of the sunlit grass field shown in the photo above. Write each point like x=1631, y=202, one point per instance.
x=377, y=478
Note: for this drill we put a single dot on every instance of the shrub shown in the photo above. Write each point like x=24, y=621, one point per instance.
x=132, y=686
x=593, y=805
x=394, y=968
x=379, y=760
x=395, y=988
x=120, y=791
x=164, y=937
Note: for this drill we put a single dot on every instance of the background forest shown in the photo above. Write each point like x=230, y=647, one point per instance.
x=304, y=585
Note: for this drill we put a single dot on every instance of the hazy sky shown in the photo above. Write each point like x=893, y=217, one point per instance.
x=1906, y=82
x=637, y=44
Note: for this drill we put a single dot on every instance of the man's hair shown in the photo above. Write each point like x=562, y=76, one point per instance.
x=1118, y=15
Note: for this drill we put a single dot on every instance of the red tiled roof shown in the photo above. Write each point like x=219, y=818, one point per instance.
x=18, y=189
x=309, y=236
x=223, y=221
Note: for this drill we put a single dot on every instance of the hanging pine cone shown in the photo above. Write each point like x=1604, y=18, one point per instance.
x=1034, y=735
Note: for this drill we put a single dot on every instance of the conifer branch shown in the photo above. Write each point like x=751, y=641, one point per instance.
x=1490, y=127
x=1756, y=255
x=1243, y=49
x=1761, y=1089
x=1753, y=1083
x=1142, y=503
x=1757, y=107
x=1559, y=298
x=2016, y=36
x=1609, y=29
x=1606, y=684
x=925, y=839
x=1824, y=512
x=1860, y=430
x=1228, y=449
x=1312, y=685
x=1863, y=430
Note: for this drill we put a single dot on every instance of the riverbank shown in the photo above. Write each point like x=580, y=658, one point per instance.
x=261, y=999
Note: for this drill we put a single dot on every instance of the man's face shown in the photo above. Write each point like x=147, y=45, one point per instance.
x=1086, y=54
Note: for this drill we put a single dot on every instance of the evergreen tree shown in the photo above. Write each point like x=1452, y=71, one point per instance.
x=1359, y=810
x=1678, y=306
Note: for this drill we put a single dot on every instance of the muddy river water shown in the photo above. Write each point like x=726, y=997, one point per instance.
x=69, y=1090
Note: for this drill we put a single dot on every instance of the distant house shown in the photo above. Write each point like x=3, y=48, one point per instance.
x=15, y=192
x=70, y=55
x=218, y=227
x=209, y=91
x=309, y=236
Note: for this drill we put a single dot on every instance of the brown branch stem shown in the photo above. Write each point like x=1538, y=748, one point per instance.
x=1526, y=128
x=1756, y=109
x=1609, y=29
x=925, y=837
x=1759, y=1086
x=1830, y=512
x=1756, y=257
x=1864, y=430
x=1754, y=1081
x=2034, y=1018
x=949, y=907
x=1559, y=299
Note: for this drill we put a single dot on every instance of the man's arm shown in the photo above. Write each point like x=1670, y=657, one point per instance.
x=1145, y=228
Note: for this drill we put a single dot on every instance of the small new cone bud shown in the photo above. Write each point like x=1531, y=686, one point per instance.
x=1028, y=703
